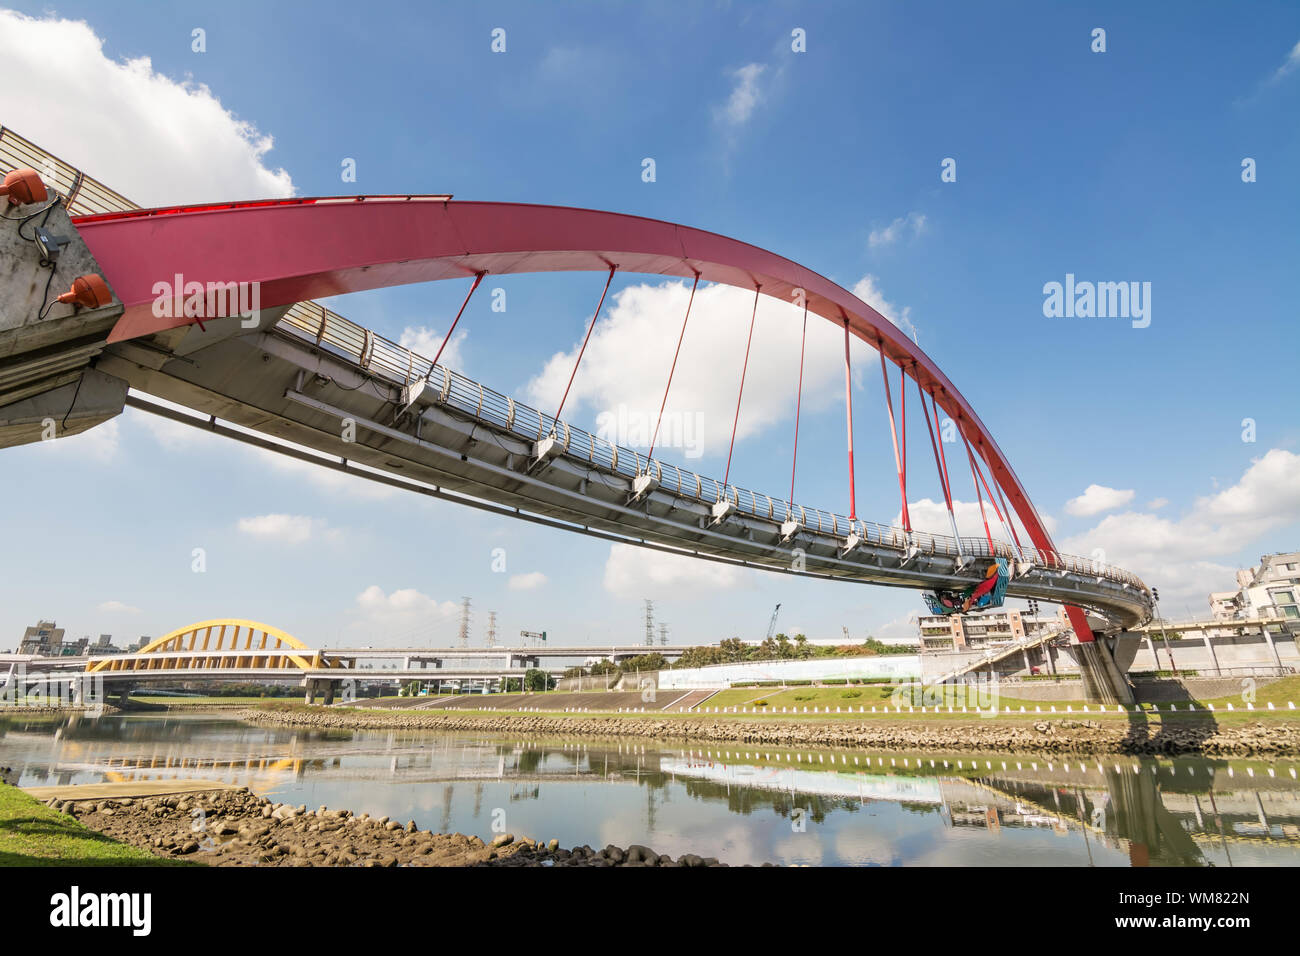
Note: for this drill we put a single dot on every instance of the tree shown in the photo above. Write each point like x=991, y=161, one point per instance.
x=536, y=679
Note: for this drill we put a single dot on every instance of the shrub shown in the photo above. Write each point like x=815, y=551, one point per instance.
x=851, y=693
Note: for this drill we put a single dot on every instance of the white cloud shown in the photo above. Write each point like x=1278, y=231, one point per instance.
x=913, y=223
x=425, y=343
x=745, y=95
x=1096, y=499
x=869, y=292
x=1155, y=504
x=117, y=607
x=635, y=573
x=99, y=443
x=405, y=617
x=1289, y=65
x=328, y=480
x=154, y=139
x=931, y=517
x=287, y=529
x=527, y=582
x=626, y=365
x=1178, y=555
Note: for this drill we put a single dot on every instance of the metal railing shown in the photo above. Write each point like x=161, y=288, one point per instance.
x=399, y=365
x=82, y=195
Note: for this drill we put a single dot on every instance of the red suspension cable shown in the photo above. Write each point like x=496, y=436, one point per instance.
x=1011, y=525
x=1004, y=516
x=893, y=431
x=902, y=424
x=798, y=401
x=943, y=474
x=591, y=326
x=943, y=457
x=478, y=277
x=659, y=420
x=743, y=369
x=969, y=454
x=848, y=404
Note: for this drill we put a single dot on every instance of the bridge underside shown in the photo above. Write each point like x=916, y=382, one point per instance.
x=272, y=381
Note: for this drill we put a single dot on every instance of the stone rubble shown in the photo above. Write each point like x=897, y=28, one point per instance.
x=239, y=828
x=1202, y=737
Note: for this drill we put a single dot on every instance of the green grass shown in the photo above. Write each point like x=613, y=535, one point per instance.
x=199, y=701
x=32, y=834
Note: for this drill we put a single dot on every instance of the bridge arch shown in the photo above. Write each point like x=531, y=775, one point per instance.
x=218, y=643
x=302, y=249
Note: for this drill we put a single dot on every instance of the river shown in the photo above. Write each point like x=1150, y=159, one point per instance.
x=739, y=803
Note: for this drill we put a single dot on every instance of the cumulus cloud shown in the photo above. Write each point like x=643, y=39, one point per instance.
x=154, y=139
x=405, y=614
x=1096, y=499
x=869, y=292
x=1178, y=555
x=117, y=607
x=1155, y=504
x=626, y=362
x=99, y=444
x=287, y=529
x=632, y=572
x=527, y=582
x=425, y=343
x=913, y=224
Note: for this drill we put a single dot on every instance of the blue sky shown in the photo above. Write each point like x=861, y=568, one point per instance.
x=1123, y=165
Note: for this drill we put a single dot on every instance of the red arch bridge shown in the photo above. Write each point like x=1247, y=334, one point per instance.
x=291, y=370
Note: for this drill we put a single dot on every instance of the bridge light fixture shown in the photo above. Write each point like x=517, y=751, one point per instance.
x=89, y=291
x=23, y=187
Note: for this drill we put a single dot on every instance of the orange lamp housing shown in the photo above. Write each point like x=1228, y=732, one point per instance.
x=23, y=186
x=89, y=291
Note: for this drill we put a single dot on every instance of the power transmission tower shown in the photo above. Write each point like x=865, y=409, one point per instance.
x=464, y=622
x=649, y=622
x=663, y=634
x=492, y=629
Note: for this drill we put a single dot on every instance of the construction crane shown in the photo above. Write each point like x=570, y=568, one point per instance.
x=771, y=625
x=534, y=636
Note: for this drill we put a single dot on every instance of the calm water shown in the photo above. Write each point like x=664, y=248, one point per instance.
x=741, y=805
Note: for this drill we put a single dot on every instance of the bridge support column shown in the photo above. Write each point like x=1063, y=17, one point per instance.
x=1102, y=681
x=313, y=688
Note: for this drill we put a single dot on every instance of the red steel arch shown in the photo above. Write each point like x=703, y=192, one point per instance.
x=299, y=249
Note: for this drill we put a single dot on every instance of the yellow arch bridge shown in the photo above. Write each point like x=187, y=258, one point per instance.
x=223, y=644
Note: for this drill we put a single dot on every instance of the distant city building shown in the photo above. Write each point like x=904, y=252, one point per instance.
x=1270, y=590
x=955, y=632
x=44, y=639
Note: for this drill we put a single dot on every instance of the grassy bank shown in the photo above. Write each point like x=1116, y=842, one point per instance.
x=32, y=834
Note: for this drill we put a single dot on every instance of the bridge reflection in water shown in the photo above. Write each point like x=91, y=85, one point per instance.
x=741, y=804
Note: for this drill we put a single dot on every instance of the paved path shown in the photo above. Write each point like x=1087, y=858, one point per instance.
x=130, y=788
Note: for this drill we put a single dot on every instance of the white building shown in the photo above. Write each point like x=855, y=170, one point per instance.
x=1270, y=590
x=959, y=632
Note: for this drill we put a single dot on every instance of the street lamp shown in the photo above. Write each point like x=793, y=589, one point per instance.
x=1155, y=599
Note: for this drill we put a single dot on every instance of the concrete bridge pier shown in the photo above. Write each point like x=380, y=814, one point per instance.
x=1103, y=681
x=325, y=688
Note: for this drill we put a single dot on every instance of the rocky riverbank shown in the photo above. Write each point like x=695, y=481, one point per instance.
x=239, y=828
x=1147, y=737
